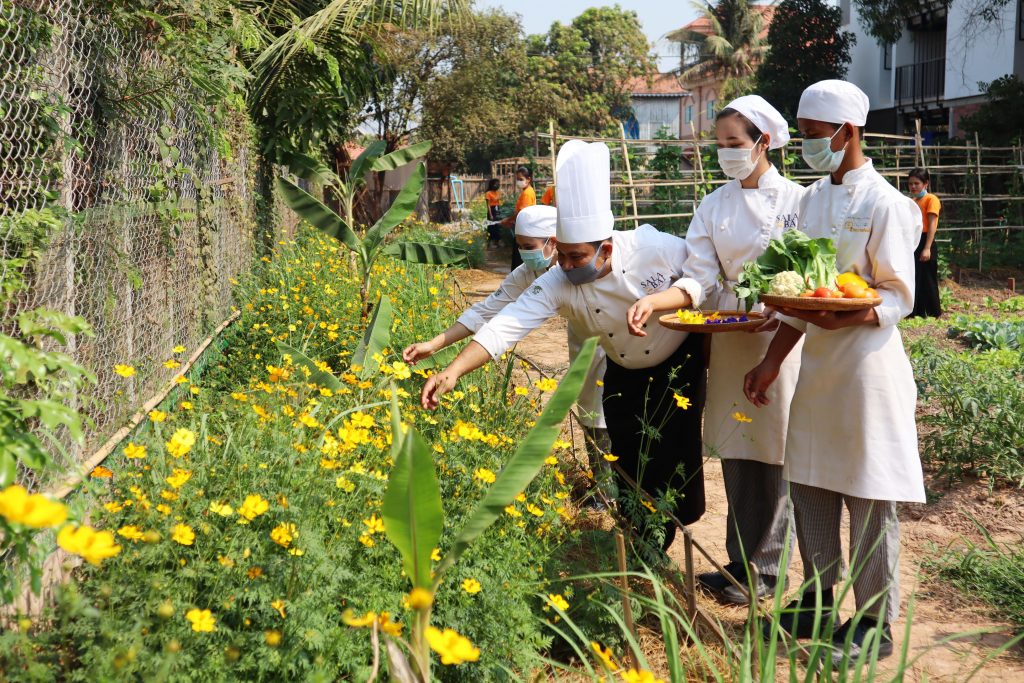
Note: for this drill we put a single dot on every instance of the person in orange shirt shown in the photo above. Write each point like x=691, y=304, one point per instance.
x=926, y=258
x=527, y=197
x=493, y=197
x=549, y=196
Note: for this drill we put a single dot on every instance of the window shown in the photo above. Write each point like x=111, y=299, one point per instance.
x=887, y=56
x=688, y=114
x=711, y=109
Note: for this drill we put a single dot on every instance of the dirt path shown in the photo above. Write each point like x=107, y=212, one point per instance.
x=940, y=611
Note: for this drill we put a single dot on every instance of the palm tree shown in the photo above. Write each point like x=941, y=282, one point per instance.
x=730, y=48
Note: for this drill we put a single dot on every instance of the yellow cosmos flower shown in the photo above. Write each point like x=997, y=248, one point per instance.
x=512, y=511
x=180, y=379
x=484, y=475
x=358, y=622
x=272, y=638
x=222, y=509
x=452, y=648
x=181, y=442
x=178, y=349
x=186, y=405
x=171, y=364
x=91, y=545
x=32, y=510
x=202, y=620
x=124, y=370
x=471, y=586
x=521, y=391
x=101, y=472
x=134, y=451
x=374, y=524
x=239, y=396
x=558, y=601
x=546, y=384
x=534, y=510
x=435, y=554
x=740, y=417
x=283, y=534
x=605, y=655
x=610, y=458
x=157, y=416
x=641, y=676
x=131, y=532
x=279, y=606
x=183, y=534
x=681, y=401
x=419, y=598
x=178, y=478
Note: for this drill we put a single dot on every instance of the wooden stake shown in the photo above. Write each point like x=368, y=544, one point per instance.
x=629, y=175
x=700, y=164
x=981, y=200
x=554, y=155
x=918, y=144
x=627, y=608
x=110, y=444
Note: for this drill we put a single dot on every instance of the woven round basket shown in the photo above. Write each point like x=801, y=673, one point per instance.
x=811, y=303
x=671, y=321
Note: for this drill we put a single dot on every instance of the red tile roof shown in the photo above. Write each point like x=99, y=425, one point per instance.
x=703, y=26
x=656, y=84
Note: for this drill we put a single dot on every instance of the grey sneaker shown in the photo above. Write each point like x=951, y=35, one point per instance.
x=765, y=587
x=841, y=652
x=716, y=583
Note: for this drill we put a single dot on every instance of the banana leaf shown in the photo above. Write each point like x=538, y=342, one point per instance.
x=423, y=252
x=376, y=337
x=316, y=212
x=404, y=204
x=401, y=157
x=311, y=169
x=364, y=162
x=316, y=375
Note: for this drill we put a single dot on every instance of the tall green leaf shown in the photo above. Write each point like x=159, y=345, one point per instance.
x=311, y=169
x=401, y=157
x=364, y=162
x=316, y=375
x=376, y=337
x=528, y=458
x=400, y=209
x=316, y=212
x=411, y=508
x=423, y=252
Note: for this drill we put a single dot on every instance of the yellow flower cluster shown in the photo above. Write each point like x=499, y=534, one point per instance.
x=181, y=442
x=31, y=510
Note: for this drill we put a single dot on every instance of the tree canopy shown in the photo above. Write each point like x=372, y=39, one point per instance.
x=731, y=49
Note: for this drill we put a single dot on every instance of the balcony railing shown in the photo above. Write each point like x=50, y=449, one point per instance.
x=921, y=83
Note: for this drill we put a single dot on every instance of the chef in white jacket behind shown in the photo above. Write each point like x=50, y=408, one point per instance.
x=731, y=226
x=652, y=384
x=852, y=437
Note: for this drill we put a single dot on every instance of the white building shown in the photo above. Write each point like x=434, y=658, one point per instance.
x=933, y=72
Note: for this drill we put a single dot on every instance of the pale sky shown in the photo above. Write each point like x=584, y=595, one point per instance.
x=658, y=17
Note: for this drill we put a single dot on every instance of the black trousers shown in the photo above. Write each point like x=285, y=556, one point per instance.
x=926, y=293
x=657, y=442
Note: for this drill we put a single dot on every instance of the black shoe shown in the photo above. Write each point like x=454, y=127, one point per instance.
x=716, y=583
x=842, y=652
x=765, y=587
x=797, y=618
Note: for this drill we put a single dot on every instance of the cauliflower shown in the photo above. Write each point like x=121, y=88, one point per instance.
x=787, y=283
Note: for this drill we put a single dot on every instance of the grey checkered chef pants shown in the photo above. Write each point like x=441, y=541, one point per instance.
x=760, y=522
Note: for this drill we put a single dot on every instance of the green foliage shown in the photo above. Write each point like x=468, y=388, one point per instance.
x=988, y=333
x=667, y=164
x=807, y=45
x=997, y=120
x=812, y=259
x=977, y=427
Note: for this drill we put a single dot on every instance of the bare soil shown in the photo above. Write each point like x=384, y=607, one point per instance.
x=952, y=633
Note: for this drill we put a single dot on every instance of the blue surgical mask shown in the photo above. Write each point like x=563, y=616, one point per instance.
x=920, y=195
x=818, y=154
x=535, y=260
x=584, y=274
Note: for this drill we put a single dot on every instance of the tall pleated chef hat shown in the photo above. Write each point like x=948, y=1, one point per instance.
x=582, y=175
x=834, y=101
x=537, y=221
x=763, y=115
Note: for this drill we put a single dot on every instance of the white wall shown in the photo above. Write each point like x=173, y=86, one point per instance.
x=654, y=112
x=976, y=51
x=866, y=64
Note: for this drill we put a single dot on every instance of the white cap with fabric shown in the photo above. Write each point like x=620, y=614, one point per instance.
x=583, y=178
x=834, y=101
x=763, y=115
x=537, y=221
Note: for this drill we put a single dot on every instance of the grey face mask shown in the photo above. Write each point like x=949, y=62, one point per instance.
x=584, y=274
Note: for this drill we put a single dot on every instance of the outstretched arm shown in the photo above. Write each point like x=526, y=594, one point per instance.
x=468, y=360
x=671, y=299
x=420, y=350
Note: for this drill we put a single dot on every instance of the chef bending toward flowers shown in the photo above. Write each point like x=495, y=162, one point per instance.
x=852, y=438
x=535, y=240
x=733, y=225
x=652, y=384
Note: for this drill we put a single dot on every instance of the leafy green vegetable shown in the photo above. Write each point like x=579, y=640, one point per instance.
x=813, y=259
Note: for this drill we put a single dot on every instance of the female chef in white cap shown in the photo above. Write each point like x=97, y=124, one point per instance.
x=733, y=225
x=852, y=437
x=601, y=274
x=535, y=239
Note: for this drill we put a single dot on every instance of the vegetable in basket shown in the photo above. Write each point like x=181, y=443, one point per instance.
x=812, y=260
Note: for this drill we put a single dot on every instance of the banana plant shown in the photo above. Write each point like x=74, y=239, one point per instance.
x=413, y=515
x=367, y=245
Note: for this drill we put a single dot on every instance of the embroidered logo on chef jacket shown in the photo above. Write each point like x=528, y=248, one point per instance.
x=536, y=289
x=857, y=225
x=786, y=221
x=653, y=282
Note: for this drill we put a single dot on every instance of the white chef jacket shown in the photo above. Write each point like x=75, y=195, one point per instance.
x=852, y=426
x=514, y=284
x=644, y=261
x=731, y=226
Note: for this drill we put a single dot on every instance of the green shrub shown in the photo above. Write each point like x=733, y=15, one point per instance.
x=988, y=333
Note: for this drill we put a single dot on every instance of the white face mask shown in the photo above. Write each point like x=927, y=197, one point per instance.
x=737, y=162
x=521, y=184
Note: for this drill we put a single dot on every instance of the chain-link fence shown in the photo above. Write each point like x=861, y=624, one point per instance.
x=157, y=211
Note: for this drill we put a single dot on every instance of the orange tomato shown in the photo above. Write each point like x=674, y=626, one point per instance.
x=870, y=293
x=836, y=294
x=854, y=291
x=808, y=293
x=822, y=293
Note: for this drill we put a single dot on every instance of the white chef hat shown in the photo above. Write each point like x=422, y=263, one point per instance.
x=582, y=175
x=537, y=221
x=763, y=115
x=834, y=101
